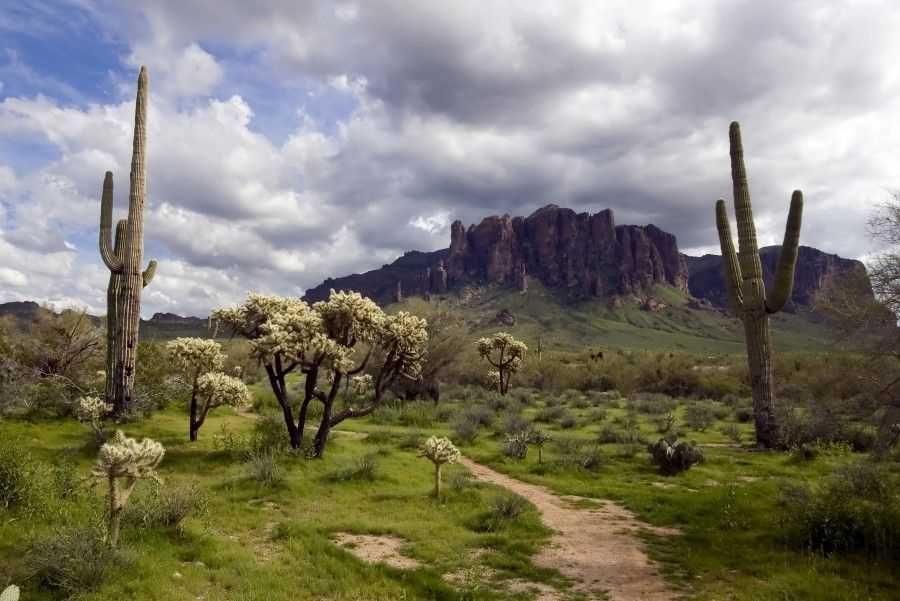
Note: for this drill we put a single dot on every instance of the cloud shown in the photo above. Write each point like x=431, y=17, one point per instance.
x=296, y=141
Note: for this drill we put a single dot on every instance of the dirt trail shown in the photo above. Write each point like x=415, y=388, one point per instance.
x=595, y=548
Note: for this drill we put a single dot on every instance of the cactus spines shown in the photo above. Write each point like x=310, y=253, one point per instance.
x=124, y=260
x=746, y=289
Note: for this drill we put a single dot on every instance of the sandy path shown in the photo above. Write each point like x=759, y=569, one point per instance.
x=595, y=548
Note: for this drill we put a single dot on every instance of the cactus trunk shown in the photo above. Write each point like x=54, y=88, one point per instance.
x=124, y=262
x=747, y=291
x=437, y=481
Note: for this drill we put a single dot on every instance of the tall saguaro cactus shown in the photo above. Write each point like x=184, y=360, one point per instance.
x=743, y=277
x=124, y=262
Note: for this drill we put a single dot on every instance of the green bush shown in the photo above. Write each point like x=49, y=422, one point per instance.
x=411, y=440
x=165, y=506
x=269, y=435
x=21, y=479
x=855, y=510
x=651, y=403
x=263, y=466
x=72, y=560
x=503, y=508
x=700, y=415
x=361, y=468
x=672, y=457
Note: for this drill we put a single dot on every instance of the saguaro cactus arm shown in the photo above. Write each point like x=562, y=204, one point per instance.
x=747, y=250
x=147, y=274
x=787, y=257
x=729, y=258
x=112, y=260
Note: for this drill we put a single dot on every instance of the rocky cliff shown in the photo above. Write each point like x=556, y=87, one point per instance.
x=584, y=253
x=814, y=270
x=562, y=248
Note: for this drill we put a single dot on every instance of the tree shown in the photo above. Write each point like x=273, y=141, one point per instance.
x=862, y=308
x=747, y=291
x=336, y=338
x=196, y=357
x=508, y=352
x=215, y=389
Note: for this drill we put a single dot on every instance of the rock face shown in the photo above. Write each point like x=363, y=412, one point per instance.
x=562, y=248
x=814, y=270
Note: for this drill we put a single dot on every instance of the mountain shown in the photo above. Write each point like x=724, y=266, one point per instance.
x=580, y=254
x=587, y=255
x=162, y=326
x=815, y=269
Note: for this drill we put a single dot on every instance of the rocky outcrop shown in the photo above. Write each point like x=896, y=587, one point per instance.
x=562, y=248
x=814, y=270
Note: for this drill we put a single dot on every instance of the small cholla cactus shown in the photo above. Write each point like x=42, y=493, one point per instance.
x=509, y=353
x=516, y=445
x=538, y=438
x=361, y=385
x=91, y=410
x=10, y=593
x=439, y=451
x=214, y=390
x=127, y=460
x=196, y=357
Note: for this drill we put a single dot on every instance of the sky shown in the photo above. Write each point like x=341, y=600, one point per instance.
x=292, y=140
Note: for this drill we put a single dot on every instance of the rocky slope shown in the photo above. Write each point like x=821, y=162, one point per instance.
x=815, y=269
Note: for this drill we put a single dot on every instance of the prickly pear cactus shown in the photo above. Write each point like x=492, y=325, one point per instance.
x=747, y=291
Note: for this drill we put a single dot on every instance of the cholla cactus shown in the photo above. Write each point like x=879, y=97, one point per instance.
x=516, y=445
x=439, y=451
x=91, y=410
x=288, y=334
x=509, y=353
x=122, y=462
x=10, y=593
x=196, y=357
x=538, y=438
x=215, y=389
x=361, y=385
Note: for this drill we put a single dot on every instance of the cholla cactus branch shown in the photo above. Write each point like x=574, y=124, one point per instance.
x=92, y=411
x=439, y=451
x=122, y=462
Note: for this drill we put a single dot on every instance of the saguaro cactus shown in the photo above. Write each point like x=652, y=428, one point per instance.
x=124, y=262
x=747, y=291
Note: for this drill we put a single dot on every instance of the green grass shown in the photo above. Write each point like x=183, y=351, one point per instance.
x=261, y=542
x=256, y=542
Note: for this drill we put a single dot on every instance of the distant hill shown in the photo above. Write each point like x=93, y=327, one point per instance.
x=162, y=326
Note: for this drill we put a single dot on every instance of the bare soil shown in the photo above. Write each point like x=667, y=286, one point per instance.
x=597, y=549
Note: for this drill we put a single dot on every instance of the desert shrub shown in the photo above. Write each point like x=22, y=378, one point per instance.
x=699, y=415
x=21, y=479
x=567, y=421
x=229, y=443
x=672, y=457
x=567, y=445
x=608, y=434
x=608, y=398
x=663, y=423
x=411, y=440
x=589, y=459
x=550, y=414
x=268, y=436
x=360, y=468
x=600, y=382
x=861, y=437
x=379, y=437
x=855, y=510
x=165, y=506
x=733, y=433
x=582, y=402
x=743, y=414
x=522, y=396
x=417, y=414
x=72, y=560
x=387, y=413
x=503, y=508
x=651, y=403
x=263, y=466
x=596, y=415
x=460, y=481
x=515, y=446
x=515, y=423
x=465, y=425
x=793, y=392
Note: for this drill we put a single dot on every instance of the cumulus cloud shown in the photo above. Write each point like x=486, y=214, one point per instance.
x=306, y=139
